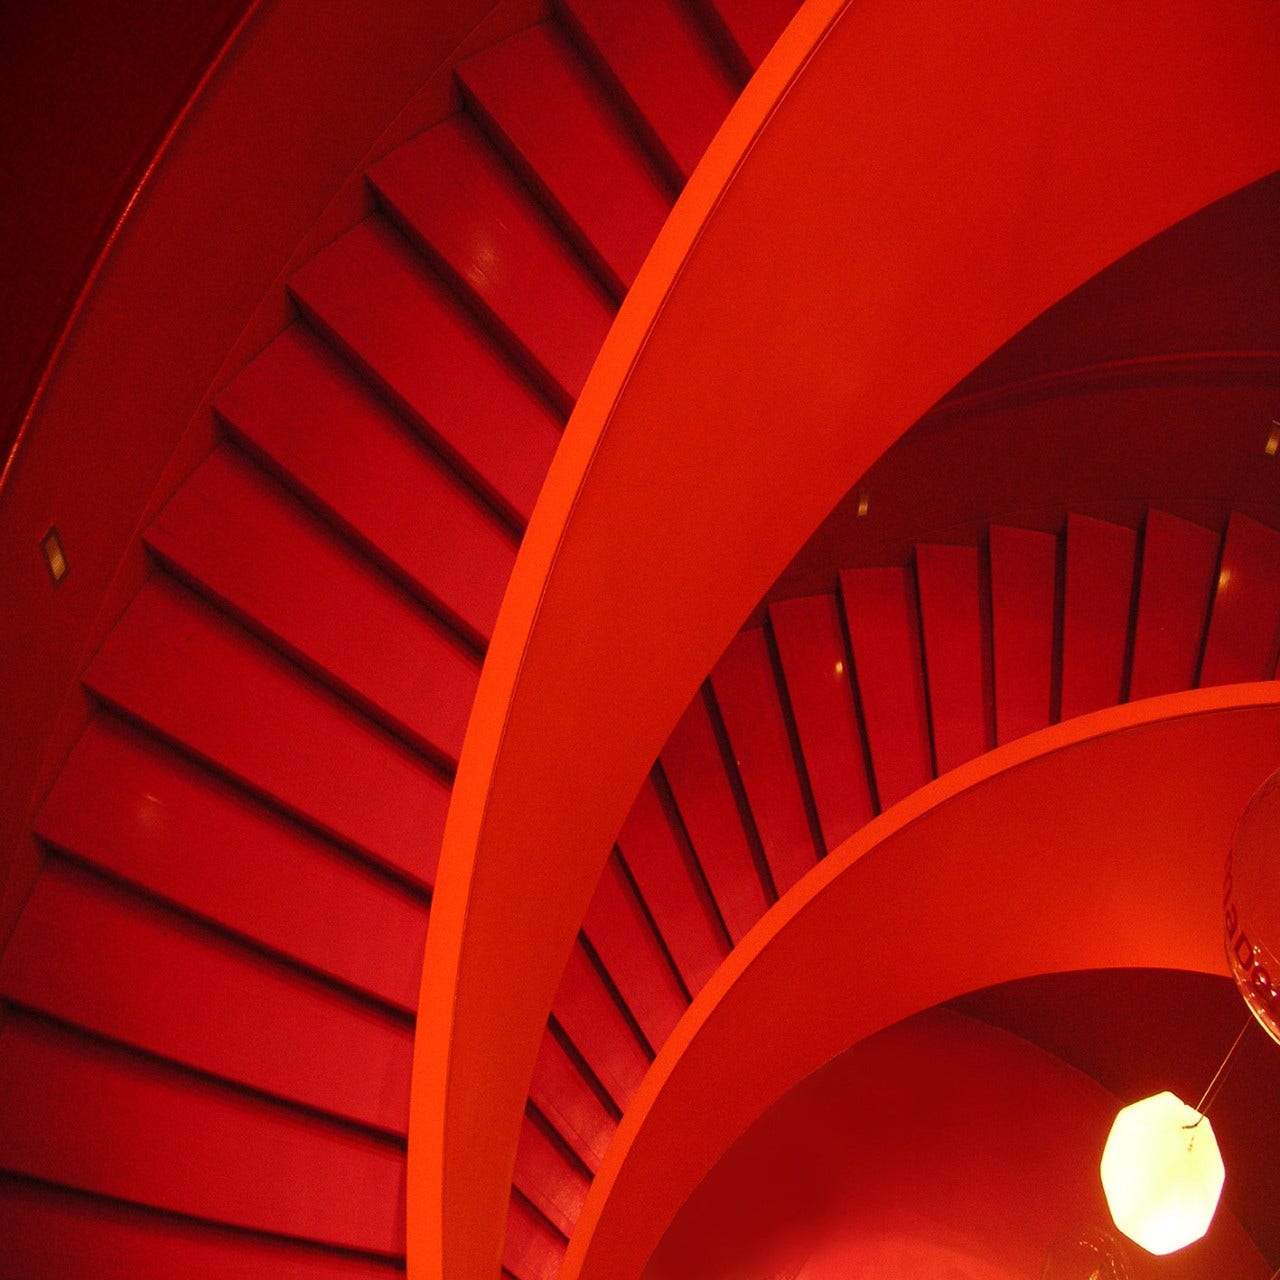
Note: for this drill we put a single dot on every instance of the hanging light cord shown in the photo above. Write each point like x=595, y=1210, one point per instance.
x=1219, y=1079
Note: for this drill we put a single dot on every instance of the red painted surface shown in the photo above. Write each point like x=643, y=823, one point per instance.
x=666, y=69
x=105, y=960
x=146, y=62
x=1109, y=440
x=696, y=773
x=548, y=1178
x=750, y=703
x=819, y=683
x=318, y=634
x=532, y=1250
x=151, y=818
x=597, y=1029
x=1024, y=566
x=884, y=630
x=1096, y=611
x=332, y=440
x=50, y=1234
x=1244, y=628
x=672, y=888
x=1179, y=560
x=967, y=1121
x=189, y=291
x=555, y=121
x=563, y=1095
x=1183, y=1023
x=753, y=26
x=619, y=931
x=199, y=681
x=614, y=540
x=465, y=208
x=957, y=651
x=163, y=1138
x=1142, y=798
x=385, y=309
x=291, y=580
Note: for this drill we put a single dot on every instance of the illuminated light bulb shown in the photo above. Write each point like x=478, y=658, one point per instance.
x=1162, y=1177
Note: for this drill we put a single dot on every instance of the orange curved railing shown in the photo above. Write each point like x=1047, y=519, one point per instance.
x=1097, y=843
x=803, y=306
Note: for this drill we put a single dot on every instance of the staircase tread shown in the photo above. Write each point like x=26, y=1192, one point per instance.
x=556, y=125
x=376, y=299
x=277, y=566
x=168, y=1139
x=660, y=59
x=175, y=664
x=202, y=1000
x=458, y=201
x=297, y=409
x=126, y=804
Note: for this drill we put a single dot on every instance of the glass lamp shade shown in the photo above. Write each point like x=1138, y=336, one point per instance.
x=1251, y=906
x=1162, y=1178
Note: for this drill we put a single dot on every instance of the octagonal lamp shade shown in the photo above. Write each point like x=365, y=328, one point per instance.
x=1162, y=1176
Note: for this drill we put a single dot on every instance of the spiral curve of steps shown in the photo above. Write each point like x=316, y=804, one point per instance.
x=218, y=967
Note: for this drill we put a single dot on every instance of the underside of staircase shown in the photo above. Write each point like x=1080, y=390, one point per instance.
x=208, y=1003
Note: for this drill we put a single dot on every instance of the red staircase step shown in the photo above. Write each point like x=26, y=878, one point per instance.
x=303, y=412
x=884, y=630
x=957, y=655
x=174, y=664
x=561, y=1093
x=1244, y=626
x=621, y=935
x=554, y=121
x=142, y=813
x=79, y=1113
x=670, y=884
x=811, y=648
x=531, y=1249
x=1098, y=596
x=659, y=60
x=547, y=1178
x=254, y=549
x=595, y=1026
x=692, y=765
x=102, y=958
x=748, y=698
x=1024, y=567
x=462, y=205
x=375, y=298
x=752, y=26
x=50, y=1234
x=1179, y=561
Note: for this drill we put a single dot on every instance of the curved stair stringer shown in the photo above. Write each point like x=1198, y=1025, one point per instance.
x=209, y=999
x=842, y=704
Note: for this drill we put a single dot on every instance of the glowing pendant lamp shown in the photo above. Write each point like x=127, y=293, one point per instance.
x=1161, y=1169
x=1162, y=1173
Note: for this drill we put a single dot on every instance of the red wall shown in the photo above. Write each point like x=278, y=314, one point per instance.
x=941, y=1147
x=88, y=90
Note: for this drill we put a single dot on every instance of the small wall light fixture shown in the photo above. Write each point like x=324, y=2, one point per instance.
x=54, y=557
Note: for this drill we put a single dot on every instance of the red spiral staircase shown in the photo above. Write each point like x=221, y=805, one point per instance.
x=210, y=995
